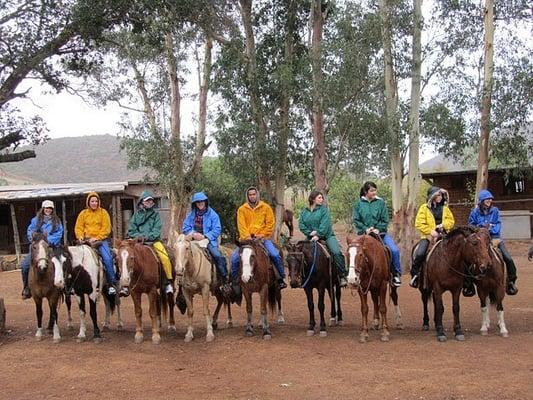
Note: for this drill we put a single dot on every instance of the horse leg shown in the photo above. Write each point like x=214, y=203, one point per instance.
x=439, y=310
x=97, y=338
x=456, y=295
x=311, y=308
x=333, y=311
x=210, y=336
x=155, y=315
x=82, y=335
x=189, y=335
x=229, y=321
x=425, y=298
x=249, y=326
x=136, y=297
x=281, y=317
x=107, y=319
x=363, y=337
x=383, y=311
x=267, y=335
x=338, y=298
x=171, y=323
x=321, y=309
x=39, y=313
x=501, y=321
x=120, y=322
x=50, y=327
x=376, y=322
x=485, y=318
x=53, y=312
x=220, y=302
x=68, y=303
x=397, y=312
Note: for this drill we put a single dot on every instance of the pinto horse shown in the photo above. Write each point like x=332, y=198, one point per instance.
x=257, y=276
x=45, y=281
x=369, y=271
x=444, y=271
x=83, y=273
x=310, y=268
x=491, y=288
x=141, y=272
x=198, y=276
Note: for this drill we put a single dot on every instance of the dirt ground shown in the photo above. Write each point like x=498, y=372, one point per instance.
x=413, y=365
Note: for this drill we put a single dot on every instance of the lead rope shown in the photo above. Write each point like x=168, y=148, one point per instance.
x=315, y=248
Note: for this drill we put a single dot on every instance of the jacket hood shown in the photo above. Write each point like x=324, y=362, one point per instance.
x=484, y=195
x=145, y=195
x=433, y=191
x=258, y=194
x=199, y=196
x=92, y=194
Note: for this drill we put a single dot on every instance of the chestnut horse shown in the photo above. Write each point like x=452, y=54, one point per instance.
x=369, y=271
x=45, y=280
x=310, y=268
x=491, y=289
x=444, y=271
x=198, y=276
x=141, y=272
x=257, y=276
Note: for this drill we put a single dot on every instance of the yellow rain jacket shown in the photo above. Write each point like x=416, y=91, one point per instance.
x=258, y=221
x=93, y=224
x=425, y=221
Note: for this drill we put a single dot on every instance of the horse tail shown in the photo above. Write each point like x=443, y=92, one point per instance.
x=162, y=294
x=272, y=294
x=111, y=300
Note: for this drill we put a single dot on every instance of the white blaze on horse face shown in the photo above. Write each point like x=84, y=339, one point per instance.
x=352, y=276
x=180, y=257
x=125, y=273
x=246, y=264
x=41, y=255
x=59, y=281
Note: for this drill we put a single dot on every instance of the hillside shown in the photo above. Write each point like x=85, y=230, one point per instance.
x=72, y=159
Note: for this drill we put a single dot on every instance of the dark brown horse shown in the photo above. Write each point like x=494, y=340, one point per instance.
x=369, y=272
x=288, y=217
x=141, y=272
x=310, y=268
x=257, y=276
x=491, y=289
x=445, y=271
x=45, y=281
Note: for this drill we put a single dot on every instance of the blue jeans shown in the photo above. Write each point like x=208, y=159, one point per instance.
x=273, y=253
x=395, y=252
x=107, y=259
x=220, y=261
x=25, y=266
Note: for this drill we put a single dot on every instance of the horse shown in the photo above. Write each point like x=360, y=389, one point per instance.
x=257, y=275
x=491, y=289
x=444, y=271
x=198, y=276
x=141, y=272
x=369, y=271
x=288, y=217
x=311, y=268
x=45, y=281
x=84, y=275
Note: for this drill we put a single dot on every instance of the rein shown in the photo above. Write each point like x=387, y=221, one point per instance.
x=312, y=269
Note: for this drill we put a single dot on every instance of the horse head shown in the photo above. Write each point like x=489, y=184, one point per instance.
x=247, y=254
x=355, y=245
x=40, y=251
x=182, y=249
x=62, y=261
x=295, y=260
x=124, y=250
x=477, y=250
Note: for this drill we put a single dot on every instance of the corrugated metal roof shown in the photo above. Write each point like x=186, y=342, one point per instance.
x=8, y=193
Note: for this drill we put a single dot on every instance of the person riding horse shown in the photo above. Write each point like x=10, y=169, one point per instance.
x=203, y=222
x=255, y=219
x=46, y=221
x=432, y=219
x=485, y=215
x=370, y=215
x=145, y=225
x=93, y=226
x=315, y=224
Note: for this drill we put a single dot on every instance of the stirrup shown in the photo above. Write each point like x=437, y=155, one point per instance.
x=26, y=294
x=124, y=292
x=169, y=289
x=469, y=291
x=396, y=281
x=343, y=282
x=414, y=281
x=511, y=289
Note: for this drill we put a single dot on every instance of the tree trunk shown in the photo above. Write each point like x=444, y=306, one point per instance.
x=317, y=114
x=483, y=149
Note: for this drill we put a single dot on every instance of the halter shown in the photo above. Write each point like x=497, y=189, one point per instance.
x=477, y=277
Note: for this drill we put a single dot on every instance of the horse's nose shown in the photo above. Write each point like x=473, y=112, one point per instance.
x=60, y=284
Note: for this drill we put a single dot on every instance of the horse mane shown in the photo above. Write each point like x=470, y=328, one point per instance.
x=36, y=236
x=462, y=230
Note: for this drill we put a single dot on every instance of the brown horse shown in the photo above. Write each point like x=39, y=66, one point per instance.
x=310, y=268
x=141, y=271
x=369, y=272
x=45, y=281
x=288, y=217
x=444, y=271
x=257, y=276
x=491, y=289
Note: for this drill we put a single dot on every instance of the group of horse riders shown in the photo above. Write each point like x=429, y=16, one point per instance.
x=255, y=219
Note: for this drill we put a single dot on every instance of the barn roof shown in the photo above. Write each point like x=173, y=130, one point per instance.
x=24, y=192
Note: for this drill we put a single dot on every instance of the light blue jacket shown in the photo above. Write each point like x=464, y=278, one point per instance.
x=53, y=237
x=489, y=218
x=210, y=223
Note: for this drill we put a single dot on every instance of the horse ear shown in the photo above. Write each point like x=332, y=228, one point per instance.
x=188, y=237
x=350, y=238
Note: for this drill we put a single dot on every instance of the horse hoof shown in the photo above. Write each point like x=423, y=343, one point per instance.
x=57, y=340
x=310, y=332
x=209, y=337
x=97, y=340
x=425, y=327
x=80, y=339
x=442, y=338
x=105, y=328
x=70, y=326
x=460, y=338
x=333, y=322
x=340, y=322
x=171, y=328
x=139, y=339
x=400, y=326
x=214, y=325
x=484, y=332
x=323, y=334
x=504, y=334
x=281, y=320
x=362, y=339
x=188, y=338
x=120, y=327
x=267, y=336
x=385, y=338
x=249, y=332
x=375, y=325
x=156, y=339
x=229, y=324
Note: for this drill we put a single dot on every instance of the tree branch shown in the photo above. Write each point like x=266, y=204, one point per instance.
x=10, y=139
x=14, y=157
